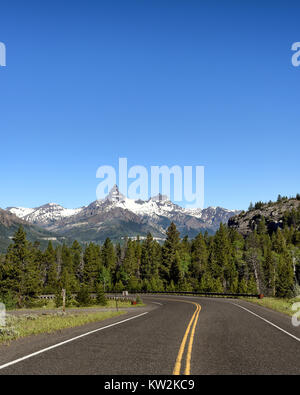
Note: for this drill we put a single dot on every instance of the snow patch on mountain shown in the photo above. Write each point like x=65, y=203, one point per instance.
x=20, y=212
x=44, y=214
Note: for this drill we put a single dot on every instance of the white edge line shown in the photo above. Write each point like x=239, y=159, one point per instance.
x=269, y=322
x=67, y=341
x=157, y=303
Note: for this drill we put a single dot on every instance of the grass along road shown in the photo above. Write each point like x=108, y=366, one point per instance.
x=31, y=324
x=50, y=305
x=278, y=304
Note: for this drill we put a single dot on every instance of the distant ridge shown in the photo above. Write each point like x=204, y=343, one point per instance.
x=9, y=224
x=116, y=216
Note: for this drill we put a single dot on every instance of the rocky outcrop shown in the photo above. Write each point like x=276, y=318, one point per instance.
x=274, y=214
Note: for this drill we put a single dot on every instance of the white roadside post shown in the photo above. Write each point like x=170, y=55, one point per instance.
x=64, y=299
x=2, y=315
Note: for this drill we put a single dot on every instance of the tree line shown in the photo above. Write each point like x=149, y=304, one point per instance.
x=225, y=262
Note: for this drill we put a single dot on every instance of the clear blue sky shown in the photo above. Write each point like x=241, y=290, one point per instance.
x=160, y=82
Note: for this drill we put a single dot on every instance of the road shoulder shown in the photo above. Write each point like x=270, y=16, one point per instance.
x=31, y=344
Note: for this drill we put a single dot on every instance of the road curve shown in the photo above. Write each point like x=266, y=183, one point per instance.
x=173, y=335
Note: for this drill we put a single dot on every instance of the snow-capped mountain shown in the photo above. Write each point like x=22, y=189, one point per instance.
x=116, y=216
x=43, y=215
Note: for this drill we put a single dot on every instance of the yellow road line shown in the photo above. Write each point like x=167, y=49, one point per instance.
x=193, y=321
x=190, y=347
x=195, y=316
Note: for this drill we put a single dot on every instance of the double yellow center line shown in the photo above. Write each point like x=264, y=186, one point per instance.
x=190, y=330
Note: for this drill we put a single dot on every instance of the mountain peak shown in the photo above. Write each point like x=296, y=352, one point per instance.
x=50, y=205
x=115, y=195
x=159, y=198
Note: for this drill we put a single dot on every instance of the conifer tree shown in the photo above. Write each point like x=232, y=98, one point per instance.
x=176, y=273
x=199, y=257
x=108, y=255
x=285, y=277
x=33, y=273
x=170, y=248
x=76, y=252
x=269, y=266
x=68, y=279
x=83, y=297
x=207, y=283
x=92, y=266
x=262, y=227
x=51, y=271
x=150, y=258
x=101, y=298
x=16, y=261
x=278, y=241
x=130, y=264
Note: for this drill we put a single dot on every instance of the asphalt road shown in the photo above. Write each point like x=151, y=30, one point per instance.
x=172, y=335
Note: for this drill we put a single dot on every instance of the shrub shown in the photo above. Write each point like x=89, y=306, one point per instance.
x=58, y=299
x=101, y=298
x=9, y=299
x=83, y=297
x=33, y=302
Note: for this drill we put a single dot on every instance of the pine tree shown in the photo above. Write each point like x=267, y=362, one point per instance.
x=92, y=266
x=207, y=283
x=262, y=227
x=170, y=248
x=101, y=298
x=105, y=278
x=108, y=255
x=243, y=288
x=252, y=286
x=33, y=273
x=138, y=256
x=51, y=271
x=68, y=279
x=285, y=277
x=76, y=252
x=278, y=241
x=199, y=257
x=83, y=297
x=150, y=258
x=147, y=257
x=119, y=287
x=130, y=264
x=222, y=254
x=176, y=274
x=18, y=267
x=134, y=284
x=269, y=267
